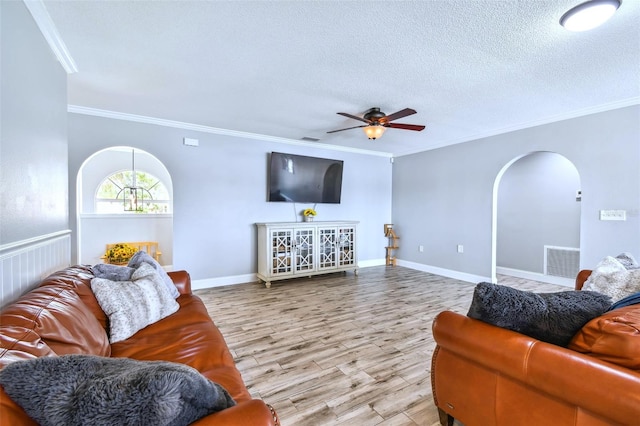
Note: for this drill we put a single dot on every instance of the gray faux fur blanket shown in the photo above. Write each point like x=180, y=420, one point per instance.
x=90, y=390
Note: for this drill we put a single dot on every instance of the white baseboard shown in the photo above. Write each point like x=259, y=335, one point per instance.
x=449, y=273
x=250, y=278
x=372, y=262
x=222, y=281
x=536, y=276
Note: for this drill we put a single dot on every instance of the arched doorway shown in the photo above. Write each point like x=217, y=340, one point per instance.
x=106, y=216
x=536, y=219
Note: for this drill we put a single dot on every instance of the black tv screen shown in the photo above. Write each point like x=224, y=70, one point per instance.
x=302, y=179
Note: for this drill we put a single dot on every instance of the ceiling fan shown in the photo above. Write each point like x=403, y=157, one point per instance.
x=377, y=122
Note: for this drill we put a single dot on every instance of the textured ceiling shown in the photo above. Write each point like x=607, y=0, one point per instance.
x=283, y=69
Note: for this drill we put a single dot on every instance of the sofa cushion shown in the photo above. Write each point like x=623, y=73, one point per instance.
x=190, y=337
x=78, y=279
x=133, y=305
x=143, y=257
x=82, y=389
x=58, y=316
x=613, y=336
x=612, y=278
x=550, y=317
x=19, y=343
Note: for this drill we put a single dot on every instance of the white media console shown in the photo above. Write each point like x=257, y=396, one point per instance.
x=298, y=249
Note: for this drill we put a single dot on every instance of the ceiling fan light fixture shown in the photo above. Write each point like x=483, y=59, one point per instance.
x=374, y=131
x=589, y=15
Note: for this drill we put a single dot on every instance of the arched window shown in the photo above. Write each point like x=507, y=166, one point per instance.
x=128, y=191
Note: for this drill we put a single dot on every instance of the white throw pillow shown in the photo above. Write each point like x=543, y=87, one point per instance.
x=133, y=305
x=610, y=277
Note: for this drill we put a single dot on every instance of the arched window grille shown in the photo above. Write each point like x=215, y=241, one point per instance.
x=132, y=192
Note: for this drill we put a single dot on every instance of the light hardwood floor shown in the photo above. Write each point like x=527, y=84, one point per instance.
x=342, y=349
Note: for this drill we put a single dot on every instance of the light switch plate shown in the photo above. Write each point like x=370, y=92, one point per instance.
x=613, y=215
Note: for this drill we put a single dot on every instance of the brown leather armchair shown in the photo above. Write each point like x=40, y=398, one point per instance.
x=485, y=375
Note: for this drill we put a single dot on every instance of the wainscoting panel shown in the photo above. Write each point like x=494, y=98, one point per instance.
x=25, y=263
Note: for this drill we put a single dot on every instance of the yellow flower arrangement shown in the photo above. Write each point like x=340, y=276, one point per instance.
x=309, y=212
x=120, y=253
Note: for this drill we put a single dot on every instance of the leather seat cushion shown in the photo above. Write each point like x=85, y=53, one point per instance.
x=188, y=337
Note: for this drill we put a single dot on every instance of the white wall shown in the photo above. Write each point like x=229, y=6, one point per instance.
x=34, y=236
x=220, y=191
x=443, y=197
x=34, y=131
x=99, y=230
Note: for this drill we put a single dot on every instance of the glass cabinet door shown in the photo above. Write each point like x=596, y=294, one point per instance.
x=304, y=249
x=346, y=246
x=281, y=251
x=327, y=258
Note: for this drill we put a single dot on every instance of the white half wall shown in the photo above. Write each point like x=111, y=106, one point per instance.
x=24, y=264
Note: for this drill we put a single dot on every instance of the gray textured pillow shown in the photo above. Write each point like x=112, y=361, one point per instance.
x=98, y=391
x=143, y=257
x=627, y=260
x=549, y=317
x=133, y=305
x=112, y=272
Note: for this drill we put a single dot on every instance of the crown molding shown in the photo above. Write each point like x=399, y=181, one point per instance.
x=527, y=125
x=48, y=29
x=215, y=130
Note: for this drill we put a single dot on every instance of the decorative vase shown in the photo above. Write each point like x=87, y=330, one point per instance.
x=308, y=218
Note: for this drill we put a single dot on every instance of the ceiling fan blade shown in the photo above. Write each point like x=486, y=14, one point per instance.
x=402, y=113
x=348, y=128
x=415, y=127
x=355, y=117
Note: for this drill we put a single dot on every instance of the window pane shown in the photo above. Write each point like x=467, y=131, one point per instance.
x=111, y=193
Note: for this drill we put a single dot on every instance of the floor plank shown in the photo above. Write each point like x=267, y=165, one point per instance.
x=342, y=349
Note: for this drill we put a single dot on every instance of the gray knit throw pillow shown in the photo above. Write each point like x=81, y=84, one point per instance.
x=550, y=317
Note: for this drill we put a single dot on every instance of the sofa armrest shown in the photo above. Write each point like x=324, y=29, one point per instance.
x=182, y=280
x=253, y=412
x=582, y=277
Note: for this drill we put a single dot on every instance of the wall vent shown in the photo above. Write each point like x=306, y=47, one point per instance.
x=561, y=261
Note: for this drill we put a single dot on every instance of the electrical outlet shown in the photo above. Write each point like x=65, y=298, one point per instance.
x=460, y=248
x=421, y=249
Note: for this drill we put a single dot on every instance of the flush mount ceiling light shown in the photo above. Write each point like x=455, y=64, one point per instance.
x=589, y=15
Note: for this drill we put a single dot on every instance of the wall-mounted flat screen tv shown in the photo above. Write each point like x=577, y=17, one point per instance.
x=302, y=179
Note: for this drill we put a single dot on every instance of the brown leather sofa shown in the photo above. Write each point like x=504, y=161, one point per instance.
x=485, y=375
x=56, y=319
